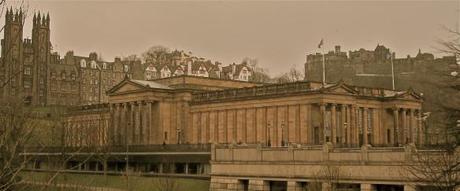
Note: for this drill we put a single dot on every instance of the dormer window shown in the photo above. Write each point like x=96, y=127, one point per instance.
x=93, y=64
x=82, y=63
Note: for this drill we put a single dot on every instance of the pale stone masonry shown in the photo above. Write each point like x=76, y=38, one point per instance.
x=263, y=137
x=147, y=112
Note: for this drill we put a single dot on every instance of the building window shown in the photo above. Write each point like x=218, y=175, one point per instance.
x=93, y=64
x=73, y=76
x=63, y=75
x=27, y=84
x=104, y=66
x=27, y=71
x=125, y=68
x=41, y=81
x=83, y=63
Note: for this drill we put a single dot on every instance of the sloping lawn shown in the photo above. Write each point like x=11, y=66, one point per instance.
x=136, y=183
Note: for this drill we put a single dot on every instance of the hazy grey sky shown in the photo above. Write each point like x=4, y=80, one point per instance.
x=278, y=34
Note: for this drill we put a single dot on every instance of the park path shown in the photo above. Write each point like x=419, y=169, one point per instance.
x=74, y=187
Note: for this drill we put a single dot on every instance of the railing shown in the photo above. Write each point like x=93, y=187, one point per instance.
x=274, y=89
x=122, y=148
x=267, y=90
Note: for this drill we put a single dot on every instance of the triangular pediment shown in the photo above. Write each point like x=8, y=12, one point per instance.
x=129, y=87
x=341, y=88
x=125, y=86
x=410, y=95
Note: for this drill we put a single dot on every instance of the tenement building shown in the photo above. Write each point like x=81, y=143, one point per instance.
x=178, y=63
x=263, y=137
x=29, y=68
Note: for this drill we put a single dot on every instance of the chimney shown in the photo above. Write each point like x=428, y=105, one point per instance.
x=337, y=49
x=189, y=68
x=219, y=66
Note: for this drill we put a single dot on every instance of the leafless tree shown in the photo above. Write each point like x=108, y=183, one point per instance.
x=132, y=57
x=292, y=76
x=437, y=169
x=259, y=74
x=329, y=174
x=155, y=54
x=16, y=129
x=165, y=183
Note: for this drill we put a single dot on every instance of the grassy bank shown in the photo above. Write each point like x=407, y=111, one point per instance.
x=136, y=183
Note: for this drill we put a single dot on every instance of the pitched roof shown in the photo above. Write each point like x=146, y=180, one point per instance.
x=151, y=84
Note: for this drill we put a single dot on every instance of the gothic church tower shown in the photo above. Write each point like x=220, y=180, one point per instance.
x=41, y=47
x=11, y=75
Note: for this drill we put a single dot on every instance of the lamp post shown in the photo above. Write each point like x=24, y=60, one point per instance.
x=345, y=132
x=99, y=83
x=179, y=132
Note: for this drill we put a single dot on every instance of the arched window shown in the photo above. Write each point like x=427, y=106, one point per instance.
x=83, y=63
x=93, y=64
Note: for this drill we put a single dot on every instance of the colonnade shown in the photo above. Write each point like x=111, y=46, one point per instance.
x=132, y=123
x=87, y=131
x=342, y=124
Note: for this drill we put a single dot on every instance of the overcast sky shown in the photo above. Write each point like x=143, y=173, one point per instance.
x=278, y=34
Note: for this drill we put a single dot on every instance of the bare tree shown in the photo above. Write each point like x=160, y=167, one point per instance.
x=259, y=74
x=132, y=57
x=438, y=169
x=329, y=174
x=155, y=54
x=292, y=76
x=165, y=183
x=16, y=129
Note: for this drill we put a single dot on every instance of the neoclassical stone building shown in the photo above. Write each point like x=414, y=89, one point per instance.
x=263, y=136
x=308, y=113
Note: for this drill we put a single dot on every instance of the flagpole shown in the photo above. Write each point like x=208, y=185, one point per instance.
x=324, y=69
x=392, y=72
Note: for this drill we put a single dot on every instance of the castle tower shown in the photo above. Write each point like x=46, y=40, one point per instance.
x=42, y=47
x=12, y=54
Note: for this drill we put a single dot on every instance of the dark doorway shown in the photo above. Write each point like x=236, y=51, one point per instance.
x=384, y=187
x=278, y=186
x=243, y=185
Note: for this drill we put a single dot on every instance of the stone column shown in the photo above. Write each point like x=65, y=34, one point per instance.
x=322, y=111
x=367, y=187
x=326, y=186
x=408, y=187
x=365, y=127
x=292, y=186
x=333, y=124
x=150, y=123
x=126, y=123
x=348, y=126
x=420, y=129
x=259, y=185
x=140, y=123
x=352, y=125
x=411, y=126
x=132, y=119
x=395, y=139
x=342, y=126
x=110, y=129
x=404, y=127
